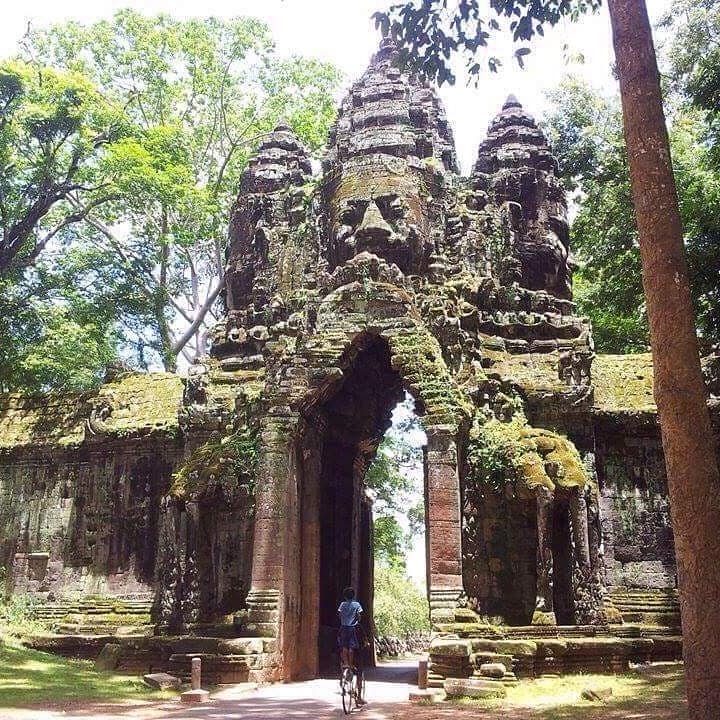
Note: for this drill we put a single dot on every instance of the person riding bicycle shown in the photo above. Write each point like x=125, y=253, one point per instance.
x=351, y=636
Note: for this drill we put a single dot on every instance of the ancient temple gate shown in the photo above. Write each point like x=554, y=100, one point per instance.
x=388, y=273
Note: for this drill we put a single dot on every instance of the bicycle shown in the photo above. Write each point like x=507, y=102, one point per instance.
x=350, y=689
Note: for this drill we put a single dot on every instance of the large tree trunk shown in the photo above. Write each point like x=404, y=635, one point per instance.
x=680, y=394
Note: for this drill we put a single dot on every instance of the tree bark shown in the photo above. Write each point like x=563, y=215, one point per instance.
x=687, y=437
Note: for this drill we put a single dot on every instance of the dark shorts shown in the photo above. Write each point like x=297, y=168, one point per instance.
x=348, y=637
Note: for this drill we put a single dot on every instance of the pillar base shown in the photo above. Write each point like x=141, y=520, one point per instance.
x=194, y=696
x=443, y=603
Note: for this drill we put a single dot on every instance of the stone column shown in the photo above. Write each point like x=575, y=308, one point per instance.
x=579, y=520
x=443, y=523
x=544, y=602
x=271, y=517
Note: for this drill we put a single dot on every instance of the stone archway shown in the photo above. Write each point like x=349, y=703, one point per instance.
x=293, y=588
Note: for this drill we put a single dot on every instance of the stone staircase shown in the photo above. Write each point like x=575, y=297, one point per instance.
x=95, y=616
x=648, y=607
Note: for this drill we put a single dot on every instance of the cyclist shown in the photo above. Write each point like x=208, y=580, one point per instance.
x=350, y=636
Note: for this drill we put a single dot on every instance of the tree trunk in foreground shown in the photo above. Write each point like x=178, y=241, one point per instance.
x=680, y=394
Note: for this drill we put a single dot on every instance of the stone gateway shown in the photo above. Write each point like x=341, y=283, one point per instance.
x=231, y=505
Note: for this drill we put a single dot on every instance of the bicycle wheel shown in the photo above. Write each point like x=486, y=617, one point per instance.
x=347, y=689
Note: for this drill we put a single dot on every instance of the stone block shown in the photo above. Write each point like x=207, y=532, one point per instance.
x=109, y=657
x=162, y=681
x=429, y=695
x=456, y=648
x=492, y=670
x=194, y=696
x=597, y=694
x=517, y=648
x=474, y=688
x=242, y=646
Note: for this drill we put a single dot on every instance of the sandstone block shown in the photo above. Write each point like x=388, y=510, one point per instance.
x=473, y=687
x=597, y=694
x=109, y=657
x=194, y=696
x=162, y=681
x=492, y=670
x=241, y=646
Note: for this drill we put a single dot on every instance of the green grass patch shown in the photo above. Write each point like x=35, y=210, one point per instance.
x=658, y=690
x=29, y=677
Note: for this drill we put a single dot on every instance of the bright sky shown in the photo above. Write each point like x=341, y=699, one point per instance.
x=341, y=32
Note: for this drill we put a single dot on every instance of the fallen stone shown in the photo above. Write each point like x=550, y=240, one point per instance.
x=194, y=696
x=162, y=681
x=109, y=657
x=492, y=670
x=597, y=694
x=473, y=687
x=429, y=695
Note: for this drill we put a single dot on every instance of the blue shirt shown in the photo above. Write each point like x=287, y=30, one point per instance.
x=350, y=612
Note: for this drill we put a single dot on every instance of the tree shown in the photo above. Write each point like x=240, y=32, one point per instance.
x=586, y=133
x=390, y=479
x=197, y=96
x=399, y=606
x=54, y=126
x=688, y=441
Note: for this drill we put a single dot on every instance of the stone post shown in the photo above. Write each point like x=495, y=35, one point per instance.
x=443, y=515
x=196, y=694
x=544, y=600
x=422, y=674
x=195, y=673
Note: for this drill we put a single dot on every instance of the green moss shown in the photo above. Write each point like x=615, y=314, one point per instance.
x=417, y=357
x=138, y=404
x=515, y=452
x=224, y=468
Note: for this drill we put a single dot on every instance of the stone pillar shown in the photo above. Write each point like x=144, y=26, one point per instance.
x=443, y=523
x=579, y=520
x=264, y=601
x=544, y=607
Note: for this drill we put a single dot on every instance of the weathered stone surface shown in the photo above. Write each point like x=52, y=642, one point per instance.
x=109, y=657
x=235, y=498
x=474, y=688
x=597, y=694
x=493, y=670
x=162, y=681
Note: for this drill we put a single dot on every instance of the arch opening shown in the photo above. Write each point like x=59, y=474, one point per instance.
x=339, y=440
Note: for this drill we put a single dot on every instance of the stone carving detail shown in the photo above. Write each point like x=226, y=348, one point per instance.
x=515, y=166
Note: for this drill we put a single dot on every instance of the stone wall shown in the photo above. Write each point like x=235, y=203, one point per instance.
x=638, y=540
x=84, y=521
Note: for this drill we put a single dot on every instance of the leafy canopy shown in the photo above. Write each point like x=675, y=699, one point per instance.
x=430, y=32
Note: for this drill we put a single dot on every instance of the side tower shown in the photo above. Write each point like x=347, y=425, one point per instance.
x=515, y=166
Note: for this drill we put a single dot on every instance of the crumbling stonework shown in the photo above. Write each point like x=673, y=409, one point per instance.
x=236, y=497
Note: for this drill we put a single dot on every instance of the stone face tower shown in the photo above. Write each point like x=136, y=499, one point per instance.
x=387, y=274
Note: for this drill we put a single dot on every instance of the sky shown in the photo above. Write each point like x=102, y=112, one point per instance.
x=341, y=32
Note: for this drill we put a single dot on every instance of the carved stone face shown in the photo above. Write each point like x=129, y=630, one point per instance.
x=372, y=209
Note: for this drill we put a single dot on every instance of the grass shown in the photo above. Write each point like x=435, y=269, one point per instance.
x=648, y=693
x=29, y=677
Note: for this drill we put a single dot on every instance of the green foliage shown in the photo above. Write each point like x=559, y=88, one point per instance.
x=121, y=148
x=54, y=128
x=220, y=470
x=399, y=607
x=428, y=33
x=586, y=132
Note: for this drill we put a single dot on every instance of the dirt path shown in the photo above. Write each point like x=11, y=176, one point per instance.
x=659, y=696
